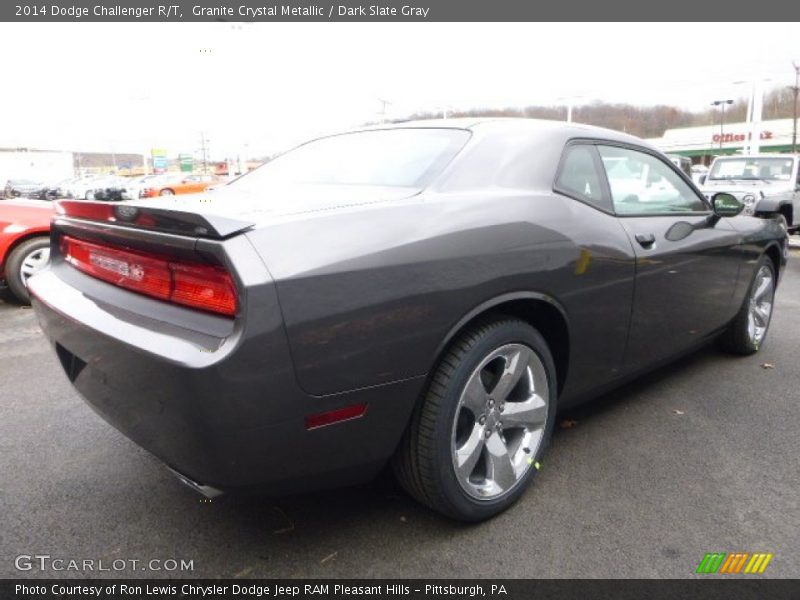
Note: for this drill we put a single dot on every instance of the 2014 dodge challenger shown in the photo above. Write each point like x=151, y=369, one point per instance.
x=426, y=294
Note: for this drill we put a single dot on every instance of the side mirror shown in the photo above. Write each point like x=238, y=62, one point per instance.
x=702, y=179
x=726, y=205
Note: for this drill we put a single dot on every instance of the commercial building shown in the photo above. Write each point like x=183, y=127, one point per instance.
x=37, y=165
x=703, y=143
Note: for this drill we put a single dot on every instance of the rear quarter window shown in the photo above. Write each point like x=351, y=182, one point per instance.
x=579, y=176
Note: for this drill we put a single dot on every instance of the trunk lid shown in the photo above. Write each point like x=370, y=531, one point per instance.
x=276, y=203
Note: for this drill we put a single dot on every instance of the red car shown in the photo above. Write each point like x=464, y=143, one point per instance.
x=24, y=242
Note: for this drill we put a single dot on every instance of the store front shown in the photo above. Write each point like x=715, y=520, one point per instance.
x=702, y=144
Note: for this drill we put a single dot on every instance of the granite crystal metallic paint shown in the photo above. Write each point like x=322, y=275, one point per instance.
x=350, y=295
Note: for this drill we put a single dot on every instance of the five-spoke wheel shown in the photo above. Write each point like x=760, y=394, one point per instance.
x=748, y=330
x=477, y=437
x=761, y=297
x=500, y=421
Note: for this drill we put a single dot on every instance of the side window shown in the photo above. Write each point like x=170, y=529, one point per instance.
x=643, y=184
x=579, y=176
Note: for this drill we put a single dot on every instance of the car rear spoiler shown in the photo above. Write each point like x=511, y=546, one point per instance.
x=155, y=219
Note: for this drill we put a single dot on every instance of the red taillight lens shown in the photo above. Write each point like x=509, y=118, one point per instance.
x=206, y=287
x=203, y=286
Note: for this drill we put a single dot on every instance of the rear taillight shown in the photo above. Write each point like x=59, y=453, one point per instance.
x=198, y=285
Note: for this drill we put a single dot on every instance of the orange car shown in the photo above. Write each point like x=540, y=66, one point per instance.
x=178, y=183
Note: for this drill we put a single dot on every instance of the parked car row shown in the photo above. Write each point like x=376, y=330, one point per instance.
x=28, y=188
x=111, y=187
x=147, y=186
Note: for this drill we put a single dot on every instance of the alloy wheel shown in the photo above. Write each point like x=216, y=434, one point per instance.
x=761, y=299
x=33, y=262
x=500, y=421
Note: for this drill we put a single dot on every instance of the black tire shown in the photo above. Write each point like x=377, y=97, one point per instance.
x=423, y=462
x=12, y=275
x=782, y=221
x=737, y=339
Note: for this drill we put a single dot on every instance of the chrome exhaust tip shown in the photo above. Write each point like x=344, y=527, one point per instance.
x=205, y=490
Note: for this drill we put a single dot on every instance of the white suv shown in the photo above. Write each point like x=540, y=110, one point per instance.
x=767, y=184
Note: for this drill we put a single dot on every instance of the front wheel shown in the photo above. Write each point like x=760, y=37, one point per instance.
x=166, y=192
x=477, y=439
x=25, y=260
x=748, y=330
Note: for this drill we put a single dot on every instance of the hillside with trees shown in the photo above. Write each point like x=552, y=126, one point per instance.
x=642, y=121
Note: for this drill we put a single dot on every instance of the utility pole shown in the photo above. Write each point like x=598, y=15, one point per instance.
x=721, y=103
x=796, y=90
x=384, y=104
x=203, y=148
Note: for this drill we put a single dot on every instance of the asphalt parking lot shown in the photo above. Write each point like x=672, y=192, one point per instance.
x=698, y=457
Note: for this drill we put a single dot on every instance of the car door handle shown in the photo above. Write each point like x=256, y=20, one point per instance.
x=646, y=239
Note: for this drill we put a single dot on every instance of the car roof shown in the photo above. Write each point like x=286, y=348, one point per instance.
x=503, y=123
x=489, y=125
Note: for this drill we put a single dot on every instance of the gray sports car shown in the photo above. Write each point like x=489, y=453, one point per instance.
x=426, y=294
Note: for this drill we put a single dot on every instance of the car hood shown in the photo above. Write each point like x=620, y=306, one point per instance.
x=278, y=203
x=738, y=185
x=25, y=214
x=26, y=205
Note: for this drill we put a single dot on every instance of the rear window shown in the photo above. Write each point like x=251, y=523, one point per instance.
x=408, y=158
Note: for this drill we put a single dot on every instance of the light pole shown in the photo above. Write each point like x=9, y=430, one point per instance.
x=570, y=102
x=721, y=103
x=796, y=90
x=384, y=104
x=755, y=110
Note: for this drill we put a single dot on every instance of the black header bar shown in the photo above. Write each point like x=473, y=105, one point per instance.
x=407, y=10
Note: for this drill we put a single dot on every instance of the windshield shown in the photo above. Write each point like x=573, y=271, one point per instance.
x=768, y=169
x=392, y=158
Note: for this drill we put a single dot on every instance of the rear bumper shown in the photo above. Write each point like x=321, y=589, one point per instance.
x=222, y=408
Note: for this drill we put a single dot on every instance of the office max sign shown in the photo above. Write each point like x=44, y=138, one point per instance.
x=740, y=137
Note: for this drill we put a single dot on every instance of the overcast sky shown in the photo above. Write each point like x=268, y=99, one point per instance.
x=257, y=88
